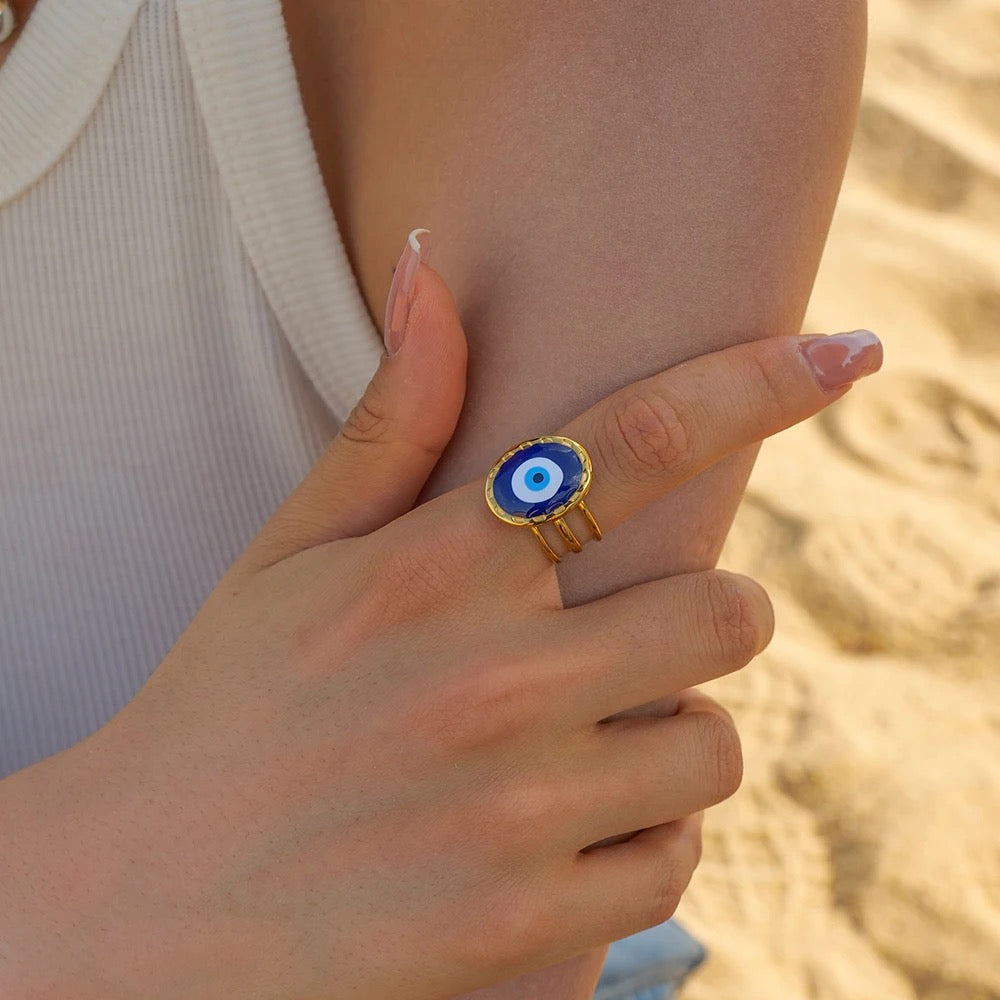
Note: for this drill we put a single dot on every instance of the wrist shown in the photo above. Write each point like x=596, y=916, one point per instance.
x=54, y=853
x=574, y=979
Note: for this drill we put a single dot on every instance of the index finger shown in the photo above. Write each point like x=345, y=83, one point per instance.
x=654, y=435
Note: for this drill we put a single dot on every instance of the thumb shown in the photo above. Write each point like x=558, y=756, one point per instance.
x=374, y=469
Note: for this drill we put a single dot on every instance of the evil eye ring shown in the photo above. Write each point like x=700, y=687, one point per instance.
x=541, y=481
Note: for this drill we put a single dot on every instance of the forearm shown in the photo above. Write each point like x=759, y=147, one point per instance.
x=67, y=863
x=674, y=213
x=34, y=875
x=568, y=297
x=610, y=191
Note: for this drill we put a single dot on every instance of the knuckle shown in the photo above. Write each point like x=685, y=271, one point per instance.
x=524, y=811
x=371, y=603
x=484, y=705
x=415, y=570
x=648, y=436
x=369, y=421
x=722, y=752
x=430, y=558
x=668, y=883
x=309, y=644
x=416, y=575
x=515, y=926
x=766, y=389
x=735, y=616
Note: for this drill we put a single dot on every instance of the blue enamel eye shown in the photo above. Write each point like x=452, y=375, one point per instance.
x=537, y=479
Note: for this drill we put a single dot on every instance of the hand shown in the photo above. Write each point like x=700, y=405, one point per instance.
x=371, y=764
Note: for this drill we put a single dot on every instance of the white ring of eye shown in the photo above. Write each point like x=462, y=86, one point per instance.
x=529, y=494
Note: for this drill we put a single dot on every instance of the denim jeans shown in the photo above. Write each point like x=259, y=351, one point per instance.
x=651, y=965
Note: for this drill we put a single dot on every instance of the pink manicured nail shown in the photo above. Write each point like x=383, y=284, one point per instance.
x=397, y=307
x=843, y=358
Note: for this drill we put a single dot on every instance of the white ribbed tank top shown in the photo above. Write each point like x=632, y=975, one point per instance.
x=180, y=333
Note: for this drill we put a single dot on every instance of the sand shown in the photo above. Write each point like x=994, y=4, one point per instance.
x=861, y=858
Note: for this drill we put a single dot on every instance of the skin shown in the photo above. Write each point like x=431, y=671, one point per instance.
x=758, y=156
x=24, y=9
x=383, y=725
x=610, y=189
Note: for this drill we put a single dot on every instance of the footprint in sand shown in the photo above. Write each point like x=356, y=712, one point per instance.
x=910, y=164
x=923, y=432
x=903, y=810
x=971, y=312
x=900, y=585
x=889, y=580
x=764, y=888
x=772, y=861
x=768, y=704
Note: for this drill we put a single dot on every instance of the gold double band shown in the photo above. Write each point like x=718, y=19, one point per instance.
x=540, y=481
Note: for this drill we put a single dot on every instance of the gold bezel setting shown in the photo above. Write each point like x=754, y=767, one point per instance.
x=578, y=494
x=556, y=515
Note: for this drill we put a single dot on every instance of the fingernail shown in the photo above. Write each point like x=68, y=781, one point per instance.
x=843, y=358
x=397, y=306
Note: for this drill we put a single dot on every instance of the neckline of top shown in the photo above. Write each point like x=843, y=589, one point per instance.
x=51, y=82
x=241, y=63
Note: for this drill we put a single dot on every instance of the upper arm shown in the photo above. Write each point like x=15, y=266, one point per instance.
x=610, y=188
